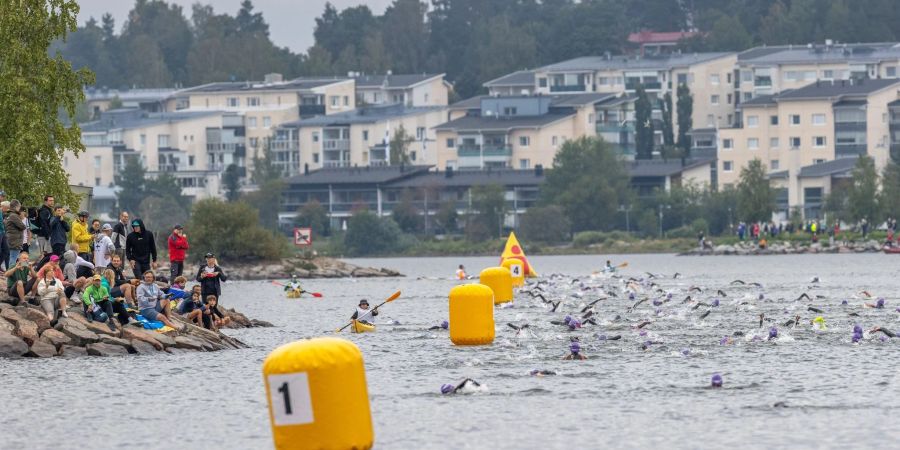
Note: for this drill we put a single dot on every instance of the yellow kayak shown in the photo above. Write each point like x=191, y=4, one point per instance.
x=293, y=293
x=359, y=327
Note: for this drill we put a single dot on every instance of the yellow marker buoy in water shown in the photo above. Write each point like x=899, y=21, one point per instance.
x=516, y=270
x=499, y=279
x=317, y=395
x=471, y=314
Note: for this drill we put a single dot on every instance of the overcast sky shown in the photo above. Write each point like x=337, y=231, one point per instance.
x=291, y=22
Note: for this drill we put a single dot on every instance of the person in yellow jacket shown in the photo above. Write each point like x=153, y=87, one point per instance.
x=81, y=235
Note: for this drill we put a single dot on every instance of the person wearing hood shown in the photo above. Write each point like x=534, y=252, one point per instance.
x=177, y=245
x=81, y=236
x=77, y=271
x=140, y=248
x=152, y=302
x=210, y=277
x=58, y=231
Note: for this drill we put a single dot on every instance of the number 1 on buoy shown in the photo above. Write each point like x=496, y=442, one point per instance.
x=290, y=399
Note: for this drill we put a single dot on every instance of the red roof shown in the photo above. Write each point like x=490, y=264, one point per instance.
x=654, y=37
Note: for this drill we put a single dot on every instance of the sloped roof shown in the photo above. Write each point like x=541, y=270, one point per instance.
x=518, y=78
x=400, y=81
x=135, y=118
x=659, y=168
x=369, y=114
x=463, y=178
x=493, y=123
x=834, y=89
x=833, y=167
x=356, y=175
x=657, y=37
x=594, y=63
x=249, y=86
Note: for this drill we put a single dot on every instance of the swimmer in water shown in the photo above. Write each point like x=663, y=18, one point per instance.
x=716, y=381
x=879, y=304
x=443, y=326
x=541, y=373
x=459, y=387
x=575, y=352
x=886, y=332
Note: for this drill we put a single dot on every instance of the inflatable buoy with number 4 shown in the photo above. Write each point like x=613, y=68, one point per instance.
x=513, y=251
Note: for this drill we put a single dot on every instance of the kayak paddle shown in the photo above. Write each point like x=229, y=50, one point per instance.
x=389, y=299
x=314, y=294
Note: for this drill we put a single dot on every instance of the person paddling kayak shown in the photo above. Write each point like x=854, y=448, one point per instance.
x=362, y=312
x=293, y=285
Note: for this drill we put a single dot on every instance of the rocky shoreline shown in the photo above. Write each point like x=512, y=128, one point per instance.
x=788, y=248
x=25, y=331
x=319, y=267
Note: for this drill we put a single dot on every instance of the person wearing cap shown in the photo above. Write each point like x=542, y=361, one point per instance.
x=59, y=229
x=96, y=301
x=574, y=352
x=178, y=244
x=210, y=277
x=140, y=248
x=465, y=386
x=103, y=246
x=52, y=295
x=81, y=236
x=362, y=312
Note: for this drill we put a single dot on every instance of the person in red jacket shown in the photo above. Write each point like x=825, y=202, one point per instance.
x=177, y=245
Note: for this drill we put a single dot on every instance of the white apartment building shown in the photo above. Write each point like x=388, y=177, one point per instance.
x=410, y=90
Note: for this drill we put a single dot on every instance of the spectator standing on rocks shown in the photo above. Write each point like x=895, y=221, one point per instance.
x=140, y=248
x=44, y=215
x=864, y=225
x=210, y=277
x=58, y=230
x=120, y=234
x=103, y=247
x=81, y=236
x=178, y=244
x=15, y=230
x=20, y=279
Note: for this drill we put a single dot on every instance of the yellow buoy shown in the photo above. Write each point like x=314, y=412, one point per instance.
x=516, y=270
x=499, y=279
x=317, y=395
x=471, y=314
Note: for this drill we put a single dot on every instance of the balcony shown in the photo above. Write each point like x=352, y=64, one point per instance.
x=850, y=126
x=336, y=144
x=615, y=127
x=569, y=88
x=285, y=145
x=335, y=163
x=477, y=151
x=762, y=83
x=648, y=85
x=895, y=153
x=311, y=110
x=849, y=150
x=168, y=167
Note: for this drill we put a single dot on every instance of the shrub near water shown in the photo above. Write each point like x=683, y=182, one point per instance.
x=231, y=231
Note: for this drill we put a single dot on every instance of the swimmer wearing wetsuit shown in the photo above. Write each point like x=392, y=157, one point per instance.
x=451, y=389
x=575, y=352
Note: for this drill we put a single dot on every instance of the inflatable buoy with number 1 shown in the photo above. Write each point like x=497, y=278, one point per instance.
x=317, y=395
x=499, y=279
x=471, y=315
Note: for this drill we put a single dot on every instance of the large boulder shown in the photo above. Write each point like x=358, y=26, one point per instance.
x=189, y=343
x=38, y=317
x=260, y=323
x=101, y=349
x=77, y=332
x=116, y=341
x=55, y=338
x=140, y=347
x=41, y=349
x=25, y=329
x=12, y=346
x=70, y=351
x=148, y=336
x=6, y=327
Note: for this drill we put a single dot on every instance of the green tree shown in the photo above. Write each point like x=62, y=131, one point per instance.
x=406, y=214
x=231, y=180
x=668, y=133
x=446, y=218
x=369, y=235
x=131, y=181
x=232, y=232
x=264, y=168
x=488, y=212
x=588, y=182
x=407, y=35
x=685, y=106
x=862, y=193
x=644, y=125
x=314, y=216
x=728, y=34
x=160, y=215
x=889, y=197
x=164, y=185
x=545, y=224
x=399, y=147
x=756, y=198
x=267, y=202
x=34, y=86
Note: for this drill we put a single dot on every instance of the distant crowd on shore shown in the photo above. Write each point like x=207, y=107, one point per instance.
x=83, y=261
x=761, y=232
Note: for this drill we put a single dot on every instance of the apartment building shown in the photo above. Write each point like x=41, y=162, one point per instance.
x=517, y=83
x=357, y=138
x=796, y=131
x=99, y=100
x=409, y=90
x=173, y=143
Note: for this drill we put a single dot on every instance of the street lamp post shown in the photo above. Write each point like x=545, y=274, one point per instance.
x=661, y=207
x=626, y=209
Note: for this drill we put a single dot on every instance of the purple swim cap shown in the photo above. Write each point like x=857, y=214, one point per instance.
x=446, y=388
x=723, y=341
x=715, y=302
x=574, y=323
x=445, y=325
x=773, y=333
x=879, y=303
x=535, y=372
x=567, y=319
x=643, y=333
x=857, y=329
x=669, y=296
x=716, y=381
x=686, y=351
x=602, y=337
x=574, y=348
x=856, y=337
x=631, y=296
x=657, y=302
x=844, y=302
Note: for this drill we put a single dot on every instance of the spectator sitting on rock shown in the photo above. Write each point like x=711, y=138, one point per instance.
x=52, y=296
x=17, y=279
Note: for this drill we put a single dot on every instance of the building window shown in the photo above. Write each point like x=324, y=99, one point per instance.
x=819, y=141
x=335, y=100
x=365, y=134
x=747, y=96
x=727, y=144
x=524, y=141
x=728, y=77
x=162, y=141
x=412, y=155
x=746, y=76
x=818, y=119
x=818, y=161
x=554, y=141
x=730, y=117
x=252, y=101
x=773, y=120
x=267, y=121
x=451, y=143
x=795, y=143
x=524, y=163
x=890, y=72
x=184, y=138
x=753, y=143
x=774, y=164
x=420, y=133
x=97, y=162
x=603, y=81
x=727, y=166
x=590, y=118
x=728, y=99
x=827, y=74
x=97, y=181
x=542, y=82
x=346, y=100
x=710, y=120
x=714, y=79
x=773, y=142
x=714, y=99
x=190, y=161
x=251, y=122
x=315, y=136
x=233, y=102
x=254, y=142
x=143, y=139
x=426, y=97
x=682, y=78
x=316, y=158
x=794, y=119
x=510, y=111
x=752, y=121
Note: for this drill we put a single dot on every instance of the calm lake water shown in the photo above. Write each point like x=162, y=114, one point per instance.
x=837, y=394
